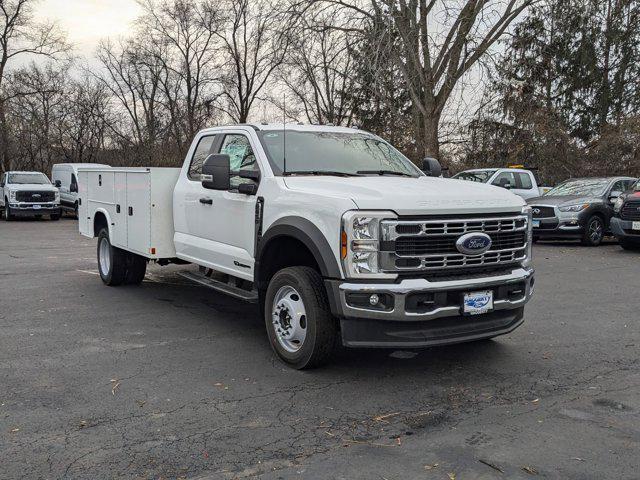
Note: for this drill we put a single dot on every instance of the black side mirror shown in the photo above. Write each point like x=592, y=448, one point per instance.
x=58, y=184
x=216, y=172
x=431, y=167
x=73, y=188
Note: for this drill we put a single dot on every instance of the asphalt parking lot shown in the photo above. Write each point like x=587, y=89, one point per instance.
x=171, y=380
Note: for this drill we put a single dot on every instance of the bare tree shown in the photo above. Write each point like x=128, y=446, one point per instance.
x=181, y=36
x=21, y=35
x=318, y=70
x=255, y=40
x=438, y=42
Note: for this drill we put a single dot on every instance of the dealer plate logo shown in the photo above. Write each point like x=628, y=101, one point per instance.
x=474, y=243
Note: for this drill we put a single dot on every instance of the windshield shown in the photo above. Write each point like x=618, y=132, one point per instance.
x=481, y=176
x=28, y=178
x=584, y=186
x=334, y=153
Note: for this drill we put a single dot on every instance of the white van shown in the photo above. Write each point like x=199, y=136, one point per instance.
x=65, y=177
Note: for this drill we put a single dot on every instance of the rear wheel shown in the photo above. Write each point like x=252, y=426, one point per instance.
x=301, y=329
x=593, y=232
x=117, y=266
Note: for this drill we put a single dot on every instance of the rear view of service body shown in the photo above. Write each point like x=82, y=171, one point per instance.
x=334, y=233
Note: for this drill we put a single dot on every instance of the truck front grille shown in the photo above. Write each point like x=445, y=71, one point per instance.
x=429, y=245
x=631, y=210
x=35, y=197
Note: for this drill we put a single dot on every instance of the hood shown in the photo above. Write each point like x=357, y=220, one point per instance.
x=558, y=200
x=411, y=196
x=31, y=187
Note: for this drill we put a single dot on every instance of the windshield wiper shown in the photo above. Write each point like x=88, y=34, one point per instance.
x=321, y=172
x=384, y=172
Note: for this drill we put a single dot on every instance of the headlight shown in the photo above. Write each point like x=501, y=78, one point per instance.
x=57, y=196
x=528, y=211
x=574, y=208
x=617, y=205
x=360, y=243
x=12, y=195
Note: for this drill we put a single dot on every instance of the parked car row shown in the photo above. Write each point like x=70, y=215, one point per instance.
x=32, y=194
x=585, y=209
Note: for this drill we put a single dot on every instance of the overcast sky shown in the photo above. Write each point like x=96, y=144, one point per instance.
x=88, y=21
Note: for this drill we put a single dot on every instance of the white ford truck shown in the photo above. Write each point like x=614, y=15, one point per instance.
x=337, y=236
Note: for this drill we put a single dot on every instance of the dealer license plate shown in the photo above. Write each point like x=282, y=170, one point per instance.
x=476, y=303
x=635, y=226
x=535, y=223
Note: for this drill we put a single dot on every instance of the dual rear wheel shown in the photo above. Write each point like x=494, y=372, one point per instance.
x=117, y=266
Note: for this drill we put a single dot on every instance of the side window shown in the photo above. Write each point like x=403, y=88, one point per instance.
x=524, y=181
x=73, y=179
x=504, y=178
x=241, y=157
x=199, y=156
x=619, y=186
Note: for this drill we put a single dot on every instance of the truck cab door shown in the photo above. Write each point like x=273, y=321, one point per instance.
x=217, y=228
x=526, y=185
x=3, y=180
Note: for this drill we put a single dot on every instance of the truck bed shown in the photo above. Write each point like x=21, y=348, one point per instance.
x=138, y=204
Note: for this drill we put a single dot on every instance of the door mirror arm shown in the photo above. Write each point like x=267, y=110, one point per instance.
x=248, y=188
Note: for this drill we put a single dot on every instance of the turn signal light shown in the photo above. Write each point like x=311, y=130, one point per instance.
x=343, y=244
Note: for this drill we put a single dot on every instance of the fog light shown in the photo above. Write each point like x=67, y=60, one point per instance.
x=374, y=300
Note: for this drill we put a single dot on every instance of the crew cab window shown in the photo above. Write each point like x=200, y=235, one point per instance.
x=524, y=181
x=203, y=150
x=241, y=157
x=503, y=178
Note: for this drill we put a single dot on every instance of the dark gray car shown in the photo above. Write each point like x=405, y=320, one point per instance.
x=579, y=208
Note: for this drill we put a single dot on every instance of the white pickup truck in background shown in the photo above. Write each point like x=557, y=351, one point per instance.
x=520, y=181
x=337, y=236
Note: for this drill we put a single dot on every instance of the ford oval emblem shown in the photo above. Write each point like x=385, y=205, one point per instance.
x=473, y=243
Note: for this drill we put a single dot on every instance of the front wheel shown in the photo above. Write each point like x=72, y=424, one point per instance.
x=7, y=211
x=593, y=232
x=301, y=328
x=55, y=217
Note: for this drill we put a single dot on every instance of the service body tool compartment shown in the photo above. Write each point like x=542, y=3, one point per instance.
x=138, y=203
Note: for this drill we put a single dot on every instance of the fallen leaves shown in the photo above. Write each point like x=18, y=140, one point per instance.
x=382, y=418
x=530, y=470
x=431, y=467
x=491, y=465
x=115, y=383
x=14, y=430
x=451, y=475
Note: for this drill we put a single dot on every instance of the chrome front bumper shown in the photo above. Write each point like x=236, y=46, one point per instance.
x=340, y=292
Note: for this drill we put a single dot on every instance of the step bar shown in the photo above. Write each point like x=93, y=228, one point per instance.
x=239, y=293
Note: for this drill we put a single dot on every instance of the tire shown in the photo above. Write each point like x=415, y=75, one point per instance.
x=136, y=269
x=55, y=217
x=593, y=231
x=7, y=211
x=307, y=341
x=627, y=244
x=75, y=211
x=112, y=261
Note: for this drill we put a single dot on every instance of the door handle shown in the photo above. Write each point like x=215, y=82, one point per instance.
x=206, y=201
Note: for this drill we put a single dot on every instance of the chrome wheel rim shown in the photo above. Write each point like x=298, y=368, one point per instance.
x=289, y=318
x=595, y=231
x=105, y=256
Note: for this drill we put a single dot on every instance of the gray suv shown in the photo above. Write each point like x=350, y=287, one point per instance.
x=579, y=209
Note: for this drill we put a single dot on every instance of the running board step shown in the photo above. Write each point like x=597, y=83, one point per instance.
x=239, y=293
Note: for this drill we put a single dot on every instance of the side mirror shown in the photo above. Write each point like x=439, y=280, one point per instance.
x=73, y=188
x=58, y=184
x=431, y=167
x=216, y=172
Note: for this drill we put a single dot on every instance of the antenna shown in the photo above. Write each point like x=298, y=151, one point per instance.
x=284, y=133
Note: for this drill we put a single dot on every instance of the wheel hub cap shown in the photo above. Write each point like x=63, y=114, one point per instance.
x=289, y=319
